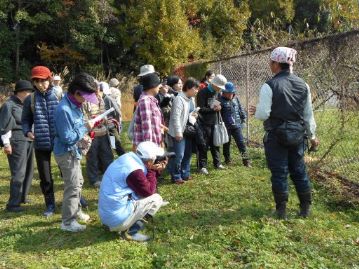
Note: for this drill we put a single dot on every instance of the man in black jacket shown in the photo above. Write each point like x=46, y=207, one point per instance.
x=208, y=101
x=17, y=147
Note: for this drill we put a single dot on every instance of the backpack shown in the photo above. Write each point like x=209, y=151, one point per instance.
x=32, y=102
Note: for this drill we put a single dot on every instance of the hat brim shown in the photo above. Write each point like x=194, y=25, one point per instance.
x=90, y=97
x=219, y=86
x=145, y=73
x=41, y=77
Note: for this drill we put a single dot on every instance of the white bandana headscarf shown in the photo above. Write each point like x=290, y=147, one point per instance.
x=284, y=55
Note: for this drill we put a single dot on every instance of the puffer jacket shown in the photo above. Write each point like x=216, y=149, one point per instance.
x=42, y=118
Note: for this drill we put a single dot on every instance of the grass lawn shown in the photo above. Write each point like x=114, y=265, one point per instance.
x=218, y=221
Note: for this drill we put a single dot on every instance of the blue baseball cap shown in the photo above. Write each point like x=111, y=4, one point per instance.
x=229, y=88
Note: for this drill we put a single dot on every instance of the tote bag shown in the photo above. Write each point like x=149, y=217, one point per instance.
x=220, y=134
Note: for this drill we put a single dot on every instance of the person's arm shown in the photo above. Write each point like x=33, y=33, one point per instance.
x=242, y=112
x=309, y=116
x=141, y=184
x=176, y=112
x=264, y=106
x=67, y=132
x=27, y=117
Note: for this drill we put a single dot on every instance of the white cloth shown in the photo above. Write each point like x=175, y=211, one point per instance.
x=179, y=114
x=264, y=108
x=142, y=207
x=6, y=138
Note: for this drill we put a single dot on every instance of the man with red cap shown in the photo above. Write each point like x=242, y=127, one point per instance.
x=38, y=125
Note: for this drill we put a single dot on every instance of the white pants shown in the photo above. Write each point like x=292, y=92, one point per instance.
x=149, y=205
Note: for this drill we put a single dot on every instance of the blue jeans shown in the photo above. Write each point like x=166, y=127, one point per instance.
x=179, y=167
x=282, y=160
x=238, y=138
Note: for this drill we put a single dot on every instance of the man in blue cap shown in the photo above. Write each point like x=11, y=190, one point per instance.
x=233, y=116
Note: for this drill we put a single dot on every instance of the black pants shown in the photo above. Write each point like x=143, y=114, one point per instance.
x=21, y=163
x=43, y=161
x=202, y=149
x=98, y=158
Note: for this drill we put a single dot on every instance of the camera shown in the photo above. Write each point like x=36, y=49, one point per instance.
x=164, y=156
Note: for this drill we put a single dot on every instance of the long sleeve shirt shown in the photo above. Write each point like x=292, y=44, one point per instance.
x=143, y=185
x=148, y=121
x=264, y=108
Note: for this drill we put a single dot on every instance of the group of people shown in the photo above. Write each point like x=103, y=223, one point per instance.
x=179, y=117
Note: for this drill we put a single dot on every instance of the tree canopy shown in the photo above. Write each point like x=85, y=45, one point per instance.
x=113, y=35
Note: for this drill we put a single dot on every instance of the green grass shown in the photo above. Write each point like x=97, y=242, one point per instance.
x=223, y=220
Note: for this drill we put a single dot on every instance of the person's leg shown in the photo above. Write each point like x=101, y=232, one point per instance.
x=92, y=162
x=299, y=176
x=105, y=152
x=29, y=174
x=17, y=163
x=277, y=161
x=119, y=149
x=186, y=161
x=175, y=163
x=71, y=171
x=202, y=149
x=238, y=138
x=214, y=150
x=43, y=161
x=149, y=205
x=226, y=148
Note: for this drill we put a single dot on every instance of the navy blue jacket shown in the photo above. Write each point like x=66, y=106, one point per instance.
x=42, y=118
x=233, y=114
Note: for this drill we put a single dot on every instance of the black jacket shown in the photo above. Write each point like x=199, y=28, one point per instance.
x=10, y=116
x=205, y=98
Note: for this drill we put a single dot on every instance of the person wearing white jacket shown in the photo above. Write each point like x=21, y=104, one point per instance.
x=182, y=108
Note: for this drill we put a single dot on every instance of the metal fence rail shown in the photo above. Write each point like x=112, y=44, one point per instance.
x=330, y=66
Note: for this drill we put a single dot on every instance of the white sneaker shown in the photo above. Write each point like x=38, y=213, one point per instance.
x=74, y=227
x=204, y=171
x=220, y=167
x=81, y=216
x=135, y=237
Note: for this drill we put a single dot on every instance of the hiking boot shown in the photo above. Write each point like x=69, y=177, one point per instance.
x=305, y=200
x=74, y=227
x=81, y=216
x=138, y=237
x=203, y=171
x=281, y=200
x=247, y=163
x=14, y=209
x=50, y=210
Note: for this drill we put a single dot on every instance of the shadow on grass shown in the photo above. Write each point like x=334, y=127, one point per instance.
x=55, y=239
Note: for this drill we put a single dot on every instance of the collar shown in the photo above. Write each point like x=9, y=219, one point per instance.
x=283, y=72
x=16, y=99
x=73, y=102
x=210, y=88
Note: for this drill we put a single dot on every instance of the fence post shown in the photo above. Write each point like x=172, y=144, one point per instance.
x=247, y=98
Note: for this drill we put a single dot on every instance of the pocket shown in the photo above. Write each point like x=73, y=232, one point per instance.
x=290, y=133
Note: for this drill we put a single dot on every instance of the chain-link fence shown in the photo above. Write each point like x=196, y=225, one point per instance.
x=330, y=66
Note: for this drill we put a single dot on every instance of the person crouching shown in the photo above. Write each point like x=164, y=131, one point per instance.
x=128, y=191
